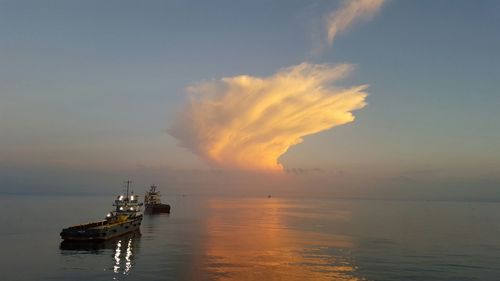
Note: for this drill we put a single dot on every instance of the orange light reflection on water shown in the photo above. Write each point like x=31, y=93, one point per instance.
x=250, y=240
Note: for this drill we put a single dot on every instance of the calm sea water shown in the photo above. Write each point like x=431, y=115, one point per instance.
x=208, y=238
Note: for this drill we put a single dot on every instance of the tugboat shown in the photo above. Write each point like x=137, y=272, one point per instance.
x=126, y=218
x=153, y=203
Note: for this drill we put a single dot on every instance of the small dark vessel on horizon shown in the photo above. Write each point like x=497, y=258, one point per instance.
x=152, y=202
x=126, y=218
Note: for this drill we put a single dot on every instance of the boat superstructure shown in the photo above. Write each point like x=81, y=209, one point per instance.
x=125, y=218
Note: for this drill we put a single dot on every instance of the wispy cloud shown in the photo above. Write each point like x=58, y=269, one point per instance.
x=351, y=11
x=247, y=122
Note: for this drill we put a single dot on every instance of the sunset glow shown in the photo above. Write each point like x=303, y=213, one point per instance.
x=266, y=244
x=322, y=140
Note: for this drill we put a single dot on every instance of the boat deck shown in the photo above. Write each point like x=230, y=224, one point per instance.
x=100, y=224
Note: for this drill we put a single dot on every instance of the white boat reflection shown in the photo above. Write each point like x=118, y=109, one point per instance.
x=124, y=248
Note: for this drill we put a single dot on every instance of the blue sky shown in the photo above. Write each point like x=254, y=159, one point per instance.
x=90, y=86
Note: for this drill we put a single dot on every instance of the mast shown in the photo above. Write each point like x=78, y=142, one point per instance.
x=128, y=184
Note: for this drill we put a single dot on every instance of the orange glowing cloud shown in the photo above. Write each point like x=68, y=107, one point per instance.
x=247, y=122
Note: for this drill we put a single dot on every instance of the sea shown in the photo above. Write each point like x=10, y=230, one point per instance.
x=255, y=238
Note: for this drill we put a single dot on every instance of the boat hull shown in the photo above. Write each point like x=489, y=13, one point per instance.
x=100, y=231
x=157, y=208
x=97, y=245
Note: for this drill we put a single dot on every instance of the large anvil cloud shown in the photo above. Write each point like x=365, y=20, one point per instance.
x=247, y=122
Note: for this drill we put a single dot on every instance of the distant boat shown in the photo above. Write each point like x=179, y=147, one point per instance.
x=126, y=218
x=152, y=202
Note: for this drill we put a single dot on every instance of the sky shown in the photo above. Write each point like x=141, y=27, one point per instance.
x=91, y=92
